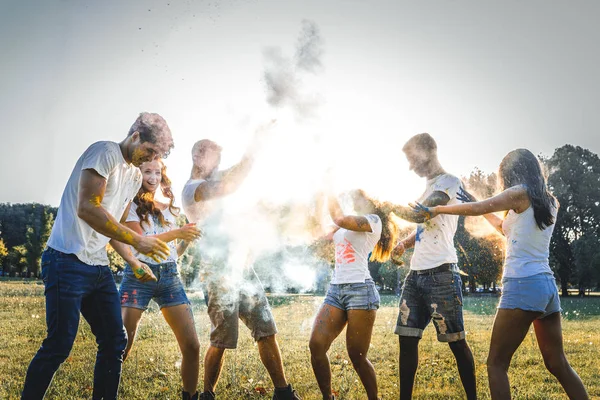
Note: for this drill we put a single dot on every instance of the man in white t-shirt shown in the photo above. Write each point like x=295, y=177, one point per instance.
x=75, y=264
x=229, y=297
x=433, y=288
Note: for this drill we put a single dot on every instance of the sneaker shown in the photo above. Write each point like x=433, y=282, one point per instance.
x=207, y=396
x=186, y=396
x=286, y=393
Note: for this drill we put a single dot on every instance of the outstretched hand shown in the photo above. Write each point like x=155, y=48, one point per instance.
x=261, y=134
x=189, y=232
x=423, y=211
x=465, y=196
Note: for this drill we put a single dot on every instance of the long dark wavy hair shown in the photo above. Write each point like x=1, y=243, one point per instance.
x=521, y=167
x=389, y=232
x=146, y=206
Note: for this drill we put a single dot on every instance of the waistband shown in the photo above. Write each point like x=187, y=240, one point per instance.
x=161, y=266
x=442, y=268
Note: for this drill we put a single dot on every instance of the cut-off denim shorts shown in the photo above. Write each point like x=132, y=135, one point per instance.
x=533, y=293
x=353, y=296
x=433, y=296
x=167, y=291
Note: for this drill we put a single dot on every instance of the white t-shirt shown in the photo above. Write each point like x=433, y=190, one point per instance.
x=352, y=251
x=208, y=216
x=434, y=244
x=70, y=234
x=527, y=246
x=153, y=227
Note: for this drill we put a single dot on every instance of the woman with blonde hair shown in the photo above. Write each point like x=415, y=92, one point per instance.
x=352, y=298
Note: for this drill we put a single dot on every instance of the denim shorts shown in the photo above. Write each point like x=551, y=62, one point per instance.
x=167, y=291
x=353, y=296
x=427, y=296
x=533, y=293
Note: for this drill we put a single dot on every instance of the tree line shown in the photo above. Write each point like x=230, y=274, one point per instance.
x=573, y=178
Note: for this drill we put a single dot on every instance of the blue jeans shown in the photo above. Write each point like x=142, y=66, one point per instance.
x=71, y=287
x=427, y=296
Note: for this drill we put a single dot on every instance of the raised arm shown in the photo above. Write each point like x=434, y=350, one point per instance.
x=230, y=181
x=89, y=208
x=409, y=214
x=350, y=222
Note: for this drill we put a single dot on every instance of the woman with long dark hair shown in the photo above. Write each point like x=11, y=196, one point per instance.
x=150, y=217
x=352, y=298
x=529, y=292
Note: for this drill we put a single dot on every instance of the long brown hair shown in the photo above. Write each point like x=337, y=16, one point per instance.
x=389, y=231
x=521, y=167
x=146, y=206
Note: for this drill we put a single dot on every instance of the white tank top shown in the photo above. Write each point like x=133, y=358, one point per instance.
x=527, y=246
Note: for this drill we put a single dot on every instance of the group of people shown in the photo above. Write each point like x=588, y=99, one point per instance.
x=110, y=199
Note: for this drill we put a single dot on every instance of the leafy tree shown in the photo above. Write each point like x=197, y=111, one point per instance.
x=574, y=178
x=18, y=258
x=586, y=252
x=3, y=252
x=37, y=235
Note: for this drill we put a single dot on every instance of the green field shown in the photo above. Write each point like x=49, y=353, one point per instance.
x=152, y=371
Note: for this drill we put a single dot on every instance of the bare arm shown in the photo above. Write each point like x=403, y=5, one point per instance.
x=140, y=270
x=402, y=246
x=350, y=222
x=514, y=198
x=229, y=183
x=89, y=208
x=409, y=241
x=493, y=219
x=182, y=247
x=187, y=232
x=409, y=214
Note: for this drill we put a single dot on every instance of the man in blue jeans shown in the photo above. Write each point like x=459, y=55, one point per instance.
x=433, y=288
x=75, y=264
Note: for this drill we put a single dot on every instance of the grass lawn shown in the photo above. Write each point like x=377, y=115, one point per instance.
x=152, y=371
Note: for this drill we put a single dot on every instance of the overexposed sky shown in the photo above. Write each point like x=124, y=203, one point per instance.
x=482, y=77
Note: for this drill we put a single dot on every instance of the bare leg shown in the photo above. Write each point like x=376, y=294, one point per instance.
x=213, y=363
x=549, y=336
x=358, y=339
x=329, y=323
x=408, y=362
x=131, y=321
x=466, y=367
x=509, y=330
x=268, y=349
x=181, y=320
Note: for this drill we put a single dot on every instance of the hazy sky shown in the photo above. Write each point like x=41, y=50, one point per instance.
x=482, y=77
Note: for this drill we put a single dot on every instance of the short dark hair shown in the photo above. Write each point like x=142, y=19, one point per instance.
x=154, y=129
x=421, y=142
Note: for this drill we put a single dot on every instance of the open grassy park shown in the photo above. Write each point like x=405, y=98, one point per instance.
x=152, y=372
